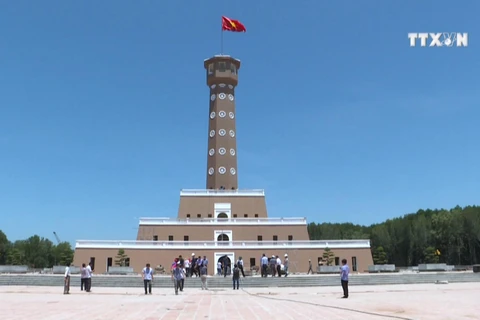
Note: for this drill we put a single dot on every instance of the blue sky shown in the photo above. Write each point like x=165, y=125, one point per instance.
x=104, y=110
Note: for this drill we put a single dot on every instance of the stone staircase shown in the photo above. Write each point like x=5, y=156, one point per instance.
x=252, y=282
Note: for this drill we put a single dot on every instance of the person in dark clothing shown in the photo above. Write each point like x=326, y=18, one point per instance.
x=236, y=277
x=240, y=266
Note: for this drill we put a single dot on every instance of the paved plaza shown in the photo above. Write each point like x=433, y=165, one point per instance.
x=425, y=302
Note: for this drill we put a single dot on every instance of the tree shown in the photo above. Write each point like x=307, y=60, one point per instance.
x=35, y=252
x=121, y=258
x=63, y=254
x=328, y=256
x=4, y=246
x=379, y=256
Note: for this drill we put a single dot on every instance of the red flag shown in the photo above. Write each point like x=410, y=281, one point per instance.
x=232, y=25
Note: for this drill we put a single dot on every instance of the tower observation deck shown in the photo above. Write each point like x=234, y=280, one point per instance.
x=222, y=78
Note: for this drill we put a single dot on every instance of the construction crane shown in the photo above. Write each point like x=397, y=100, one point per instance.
x=56, y=237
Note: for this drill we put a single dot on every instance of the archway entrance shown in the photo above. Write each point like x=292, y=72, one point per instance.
x=222, y=215
x=224, y=265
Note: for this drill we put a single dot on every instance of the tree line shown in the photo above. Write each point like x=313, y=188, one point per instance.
x=35, y=252
x=427, y=236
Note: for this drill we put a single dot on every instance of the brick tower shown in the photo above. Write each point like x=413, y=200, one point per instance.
x=222, y=78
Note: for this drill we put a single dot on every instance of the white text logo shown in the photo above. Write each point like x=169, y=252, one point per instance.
x=442, y=39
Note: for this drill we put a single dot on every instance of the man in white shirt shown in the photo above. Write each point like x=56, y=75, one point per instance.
x=66, y=287
x=147, y=275
x=88, y=283
x=278, y=263
x=240, y=266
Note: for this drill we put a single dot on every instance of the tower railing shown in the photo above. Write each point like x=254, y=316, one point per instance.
x=239, y=245
x=223, y=221
x=217, y=192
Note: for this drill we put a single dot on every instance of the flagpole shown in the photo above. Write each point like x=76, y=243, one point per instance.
x=221, y=38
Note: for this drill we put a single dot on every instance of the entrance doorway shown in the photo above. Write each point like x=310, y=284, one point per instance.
x=227, y=260
x=109, y=263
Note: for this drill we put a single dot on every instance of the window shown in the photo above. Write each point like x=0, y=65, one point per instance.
x=259, y=238
x=337, y=261
x=275, y=238
x=245, y=215
x=127, y=262
x=209, y=215
x=222, y=66
x=170, y=238
x=210, y=68
x=185, y=238
x=233, y=68
x=222, y=215
x=252, y=263
x=234, y=215
x=155, y=238
x=256, y=215
x=290, y=238
x=199, y=215
x=354, y=263
x=188, y=215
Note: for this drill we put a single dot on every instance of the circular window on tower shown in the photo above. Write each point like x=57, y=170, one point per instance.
x=231, y=133
x=212, y=97
x=222, y=85
x=222, y=95
x=232, y=152
x=212, y=115
x=233, y=171
x=222, y=151
x=213, y=86
x=211, y=171
x=212, y=133
x=222, y=114
x=211, y=152
x=222, y=170
x=222, y=132
x=231, y=115
x=230, y=97
x=230, y=86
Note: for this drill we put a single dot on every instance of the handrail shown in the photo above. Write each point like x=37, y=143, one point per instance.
x=238, y=221
x=147, y=244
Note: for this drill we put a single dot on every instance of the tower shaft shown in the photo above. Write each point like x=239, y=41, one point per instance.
x=222, y=78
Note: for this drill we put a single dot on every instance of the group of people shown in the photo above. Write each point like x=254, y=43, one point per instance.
x=86, y=273
x=182, y=268
x=274, y=264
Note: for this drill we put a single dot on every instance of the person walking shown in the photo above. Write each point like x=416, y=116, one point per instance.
x=147, y=276
x=66, y=287
x=310, y=269
x=203, y=276
x=177, y=277
x=240, y=266
x=264, y=265
x=83, y=277
x=236, y=277
x=285, y=265
x=345, y=271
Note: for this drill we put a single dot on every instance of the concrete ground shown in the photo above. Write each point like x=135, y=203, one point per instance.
x=432, y=301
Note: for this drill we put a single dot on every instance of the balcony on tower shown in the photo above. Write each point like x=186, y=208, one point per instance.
x=222, y=68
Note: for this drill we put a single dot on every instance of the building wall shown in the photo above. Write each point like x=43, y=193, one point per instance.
x=201, y=207
x=207, y=232
x=298, y=257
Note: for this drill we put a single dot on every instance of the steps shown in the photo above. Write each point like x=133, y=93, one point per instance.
x=252, y=282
